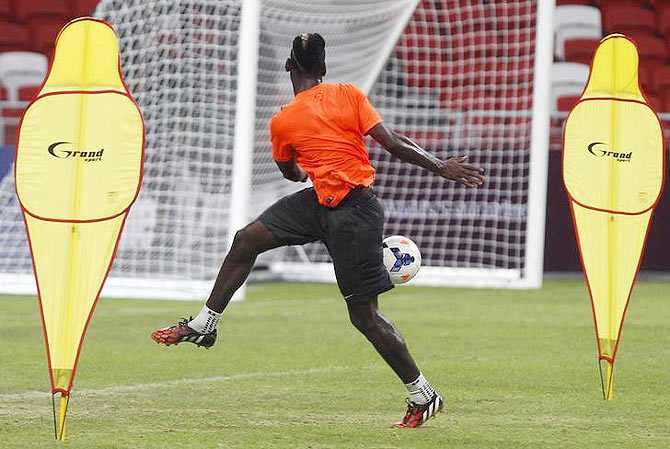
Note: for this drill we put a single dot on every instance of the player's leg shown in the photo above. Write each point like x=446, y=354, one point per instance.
x=354, y=240
x=248, y=243
x=384, y=336
x=423, y=402
x=290, y=221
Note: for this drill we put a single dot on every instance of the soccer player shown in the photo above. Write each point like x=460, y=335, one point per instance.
x=319, y=135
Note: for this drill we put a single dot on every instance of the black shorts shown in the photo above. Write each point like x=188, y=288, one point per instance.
x=352, y=232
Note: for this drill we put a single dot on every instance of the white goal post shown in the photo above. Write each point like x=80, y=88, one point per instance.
x=459, y=77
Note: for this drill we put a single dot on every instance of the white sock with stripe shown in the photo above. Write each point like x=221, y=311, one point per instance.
x=420, y=391
x=206, y=321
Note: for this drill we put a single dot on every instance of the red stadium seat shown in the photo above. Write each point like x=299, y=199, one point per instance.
x=485, y=43
x=510, y=16
x=659, y=4
x=486, y=98
x=19, y=69
x=27, y=93
x=663, y=16
x=422, y=54
x=574, y=2
x=12, y=112
x=425, y=138
x=567, y=103
x=604, y=4
x=30, y=10
x=13, y=37
x=11, y=123
x=507, y=131
x=645, y=77
x=3, y=93
x=629, y=19
x=463, y=98
x=655, y=102
x=661, y=78
x=471, y=18
x=6, y=10
x=423, y=74
x=417, y=44
x=425, y=12
x=81, y=8
x=575, y=22
x=44, y=36
x=652, y=51
x=488, y=72
x=665, y=101
x=580, y=50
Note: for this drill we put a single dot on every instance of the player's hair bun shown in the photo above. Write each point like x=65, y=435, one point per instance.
x=309, y=50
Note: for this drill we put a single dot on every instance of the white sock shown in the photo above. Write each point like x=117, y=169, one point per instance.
x=206, y=321
x=420, y=391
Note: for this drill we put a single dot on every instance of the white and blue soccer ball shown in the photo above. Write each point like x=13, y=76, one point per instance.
x=402, y=258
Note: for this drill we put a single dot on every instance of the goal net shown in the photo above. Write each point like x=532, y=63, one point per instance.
x=457, y=76
x=459, y=80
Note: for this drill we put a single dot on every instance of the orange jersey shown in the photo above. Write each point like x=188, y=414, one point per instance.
x=323, y=129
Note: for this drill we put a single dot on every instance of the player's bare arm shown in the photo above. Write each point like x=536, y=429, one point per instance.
x=292, y=171
x=454, y=168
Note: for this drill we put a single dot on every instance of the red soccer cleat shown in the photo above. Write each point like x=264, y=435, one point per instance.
x=174, y=335
x=418, y=414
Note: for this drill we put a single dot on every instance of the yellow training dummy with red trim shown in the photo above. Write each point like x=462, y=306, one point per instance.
x=613, y=170
x=78, y=170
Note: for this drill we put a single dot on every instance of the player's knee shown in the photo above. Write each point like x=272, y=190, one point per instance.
x=367, y=322
x=243, y=244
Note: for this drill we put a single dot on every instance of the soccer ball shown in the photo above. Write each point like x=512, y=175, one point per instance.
x=402, y=258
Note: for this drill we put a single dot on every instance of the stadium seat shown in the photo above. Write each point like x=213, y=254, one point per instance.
x=18, y=69
x=470, y=19
x=606, y=5
x=580, y=50
x=566, y=102
x=629, y=19
x=659, y=4
x=655, y=102
x=13, y=37
x=424, y=137
x=574, y=2
x=424, y=13
x=575, y=22
x=417, y=45
x=477, y=45
x=423, y=74
x=567, y=79
x=513, y=72
x=511, y=16
x=463, y=98
x=32, y=10
x=81, y=8
x=665, y=100
x=27, y=93
x=43, y=36
x=645, y=78
x=10, y=124
x=661, y=78
x=6, y=10
x=652, y=51
x=663, y=17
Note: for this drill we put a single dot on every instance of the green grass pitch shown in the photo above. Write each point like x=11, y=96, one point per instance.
x=517, y=369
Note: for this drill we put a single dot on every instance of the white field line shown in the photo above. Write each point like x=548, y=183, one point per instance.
x=171, y=383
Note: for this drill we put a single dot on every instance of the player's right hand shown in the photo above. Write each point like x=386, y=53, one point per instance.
x=455, y=169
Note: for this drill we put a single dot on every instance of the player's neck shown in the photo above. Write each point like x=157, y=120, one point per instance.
x=303, y=84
